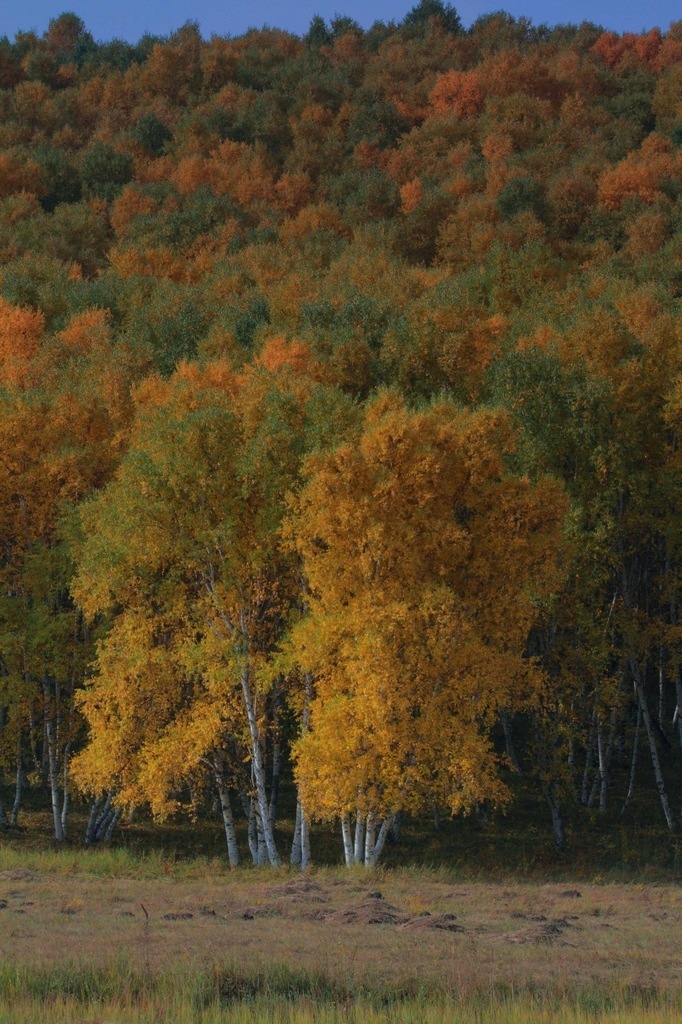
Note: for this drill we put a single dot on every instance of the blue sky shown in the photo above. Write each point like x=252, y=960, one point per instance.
x=129, y=19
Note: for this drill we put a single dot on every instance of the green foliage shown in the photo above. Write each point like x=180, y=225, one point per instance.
x=104, y=171
x=318, y=34
x=520, y=195
x=428, y=12
x=151, y=134
x=60, y=178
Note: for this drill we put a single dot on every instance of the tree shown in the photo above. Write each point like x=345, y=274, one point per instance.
x=104, y=171
x=428, y=12
x=185, y=540
x=423, y=559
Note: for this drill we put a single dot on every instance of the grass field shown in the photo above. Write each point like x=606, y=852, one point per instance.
x=109, y=936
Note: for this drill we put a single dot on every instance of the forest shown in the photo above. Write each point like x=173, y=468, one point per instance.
x=340, y=391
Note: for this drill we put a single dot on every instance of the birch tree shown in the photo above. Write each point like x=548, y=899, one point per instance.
x=186, y=540
x=423, y=558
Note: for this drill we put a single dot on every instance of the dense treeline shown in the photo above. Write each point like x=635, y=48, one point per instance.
x=340, y=390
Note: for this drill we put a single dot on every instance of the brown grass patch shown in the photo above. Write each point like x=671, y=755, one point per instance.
x=417, y=929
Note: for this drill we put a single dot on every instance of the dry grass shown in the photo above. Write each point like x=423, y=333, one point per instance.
x=423, y=935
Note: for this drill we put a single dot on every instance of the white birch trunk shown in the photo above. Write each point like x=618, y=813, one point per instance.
x=383, y=835
x=346, y=833
x=53, y=770
x=305, y=840
x=656, y=764
x=113, y=822
x=262, y=858
x=258, y=767
x=295, y=858
x=678, y=709
x=276, y=770
x=66, y=791
x=370, y=839
x=18, y=789
x=228, y=822
x=252, y=832
x=92, y=821
x=585, y=793
x=359, y=843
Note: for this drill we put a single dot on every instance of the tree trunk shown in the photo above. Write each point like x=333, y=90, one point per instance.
x=228, y=821
x=550, y=793
x=92, y=821
x=633, y=764
x=396, y=828
x=53, y=767
x=305, y=840
x=111, y=825
x=509, y=742
x=252, y=832
x=370, y=839
x=18, y=788
x=102, y=821
x=585, y=792
x=359, y=844
x=678, y=697
x=258, y=767
x=4, y=820
x=381, y=838
x=295, y=858
x=605, y=756
x=655, y=761
x=276, y=769
x=347, y=840
x=66, y=789
x=261, y=846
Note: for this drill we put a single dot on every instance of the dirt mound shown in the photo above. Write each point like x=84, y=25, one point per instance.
x=18, y=875
x=250, y=913
x=440, y=922
x=550, y=932
x=373, y=909
x=299, y=890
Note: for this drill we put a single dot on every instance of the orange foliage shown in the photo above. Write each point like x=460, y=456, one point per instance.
x=313, y=218
x=18, y=175
x=541, y=339
x=640, y=174
x=21, y=332
x=279, y=353
x=130, y=204
x=461, y=93
x=614, y=50
x=646, y=234
x=161, y=262
x=171, y=71
x=497, y=149
x=88, y=330
x=245, y=173
x=218, y=61
x=292, y=192
x=411, y=195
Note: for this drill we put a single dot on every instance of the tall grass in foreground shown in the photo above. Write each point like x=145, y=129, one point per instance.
x=119, y=993
x=271, y=1011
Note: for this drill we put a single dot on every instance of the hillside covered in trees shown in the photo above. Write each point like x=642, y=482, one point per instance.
x=340, y=399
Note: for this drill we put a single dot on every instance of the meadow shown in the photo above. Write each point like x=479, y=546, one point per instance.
x=132, y=934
